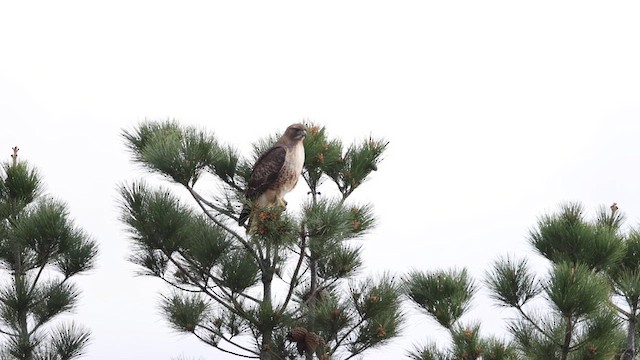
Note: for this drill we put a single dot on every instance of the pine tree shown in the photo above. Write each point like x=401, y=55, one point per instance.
x=446, y=296
x=274, y=293
x=40, y=250
x=624, y=278
x=567, y=314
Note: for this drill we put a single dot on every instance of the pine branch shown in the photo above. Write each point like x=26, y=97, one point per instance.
x=230, y=297
x=218, y=282
x=8, y=333
x=294, y=277
x=44, y=297
x=346, y=335
x=225, y=350
x=530, y=320
x=201, y=203
x=619, y=309
x=356, y=352
x=322, y=288
x=204, y=289
x=578, y=345
x=180, y=287
x=221, y=335
x=219, y=209
x=35, y=281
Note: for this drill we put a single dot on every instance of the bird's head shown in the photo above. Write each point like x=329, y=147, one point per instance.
x=296, y=132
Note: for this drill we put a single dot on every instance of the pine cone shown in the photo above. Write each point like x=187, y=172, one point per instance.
x=305, y=340
x=297, y=334
x=312, y=340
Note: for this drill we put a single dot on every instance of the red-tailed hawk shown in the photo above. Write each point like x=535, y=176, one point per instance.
x=276, y=172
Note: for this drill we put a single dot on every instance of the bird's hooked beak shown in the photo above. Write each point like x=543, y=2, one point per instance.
x=301, y=134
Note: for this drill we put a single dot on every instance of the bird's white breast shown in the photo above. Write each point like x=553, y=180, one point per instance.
x=293, y=168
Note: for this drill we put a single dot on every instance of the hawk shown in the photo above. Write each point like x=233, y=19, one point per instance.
x=276, y=172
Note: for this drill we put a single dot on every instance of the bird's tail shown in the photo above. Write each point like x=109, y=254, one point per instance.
x=244, y=215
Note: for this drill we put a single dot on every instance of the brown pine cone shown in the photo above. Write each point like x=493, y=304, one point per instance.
x=297, y=334
x=312, y=340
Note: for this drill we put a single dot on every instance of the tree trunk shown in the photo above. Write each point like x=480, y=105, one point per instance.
x=21, y=294
x=267, y=331
x=567, y=339
x=631, y=337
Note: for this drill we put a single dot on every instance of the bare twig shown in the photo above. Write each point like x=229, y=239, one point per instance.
x=14, y=156
x=294, y=277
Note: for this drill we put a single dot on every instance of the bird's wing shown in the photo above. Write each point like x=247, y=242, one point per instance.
x=265, y=171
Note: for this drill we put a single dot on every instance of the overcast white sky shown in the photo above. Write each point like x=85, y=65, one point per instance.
x=496, y=111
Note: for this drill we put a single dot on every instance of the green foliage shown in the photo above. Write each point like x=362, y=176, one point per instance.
x=21, y=185
x=79, y=254
x=276, y=228
x=631, y=257
x=467, y=344
x=179, y=153
x=534, y=344
x=584, y=256
x=600, y=337
x=68, y=342
x=231, y=323
x=322, y=156
x=41, y=249
x=207, y=244
x=185, y=312
x=156, y=219
x=348, y=169
x=625, y=280
x=342, y=262
x=378, y=312
x=511, y=283
x=327, y=224
x=627, y=285
x=239, y=271
x=626, y=275
x=362, y=219
x=444, y=295
x=329, y=316
x=568, y=237
x=575, y=291
x=357, y=163
x=53, y=298
x=46, y=235
x=494, y=349
x=597, y=337
x=226, y=166
x=428, y=352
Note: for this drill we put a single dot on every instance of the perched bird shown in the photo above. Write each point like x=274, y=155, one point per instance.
x=275, y=173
